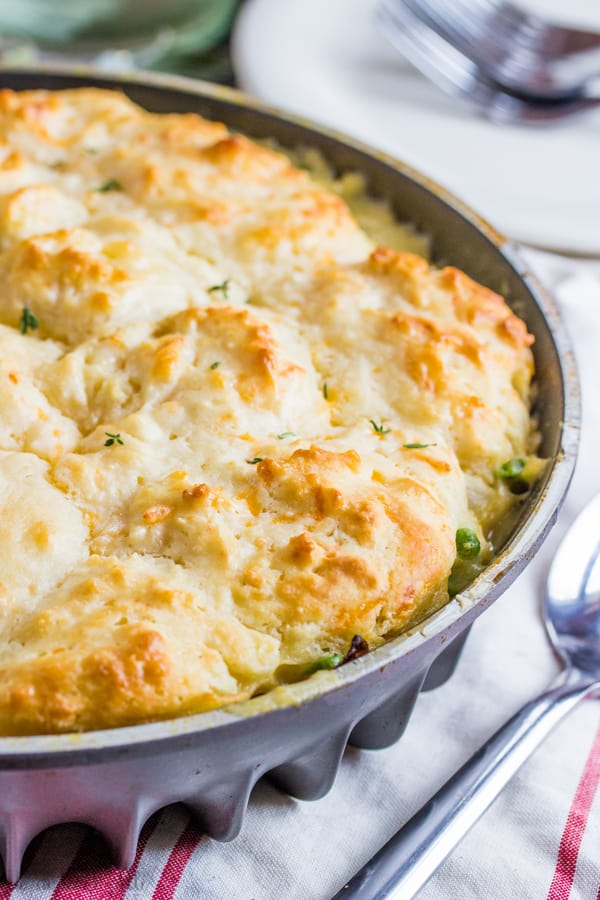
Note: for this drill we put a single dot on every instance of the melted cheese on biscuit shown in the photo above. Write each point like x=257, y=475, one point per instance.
x=234, y=433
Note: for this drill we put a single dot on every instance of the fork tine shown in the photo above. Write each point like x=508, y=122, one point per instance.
x=440, y=61
x=475, y=14
x=518, y=49
x=457, y=74
x=466, y=25
x=484, y=32
x=506, y=17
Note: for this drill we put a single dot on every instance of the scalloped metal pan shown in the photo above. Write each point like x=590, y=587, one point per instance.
x=114, y=779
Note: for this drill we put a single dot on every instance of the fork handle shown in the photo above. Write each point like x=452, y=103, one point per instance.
x=414, y=853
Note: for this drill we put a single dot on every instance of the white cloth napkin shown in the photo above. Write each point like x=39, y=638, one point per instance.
x=541, y=839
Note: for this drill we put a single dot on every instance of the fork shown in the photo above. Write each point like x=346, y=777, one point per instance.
x=456, y=74
x=515, y=48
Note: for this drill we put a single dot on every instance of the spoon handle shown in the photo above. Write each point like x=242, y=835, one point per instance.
x=413, y=854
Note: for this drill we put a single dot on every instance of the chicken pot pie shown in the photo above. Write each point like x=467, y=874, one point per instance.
x=236, y=437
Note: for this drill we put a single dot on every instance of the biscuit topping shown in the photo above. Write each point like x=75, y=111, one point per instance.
x=237, y=439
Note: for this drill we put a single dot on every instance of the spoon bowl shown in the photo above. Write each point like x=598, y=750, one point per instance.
x=572, y=602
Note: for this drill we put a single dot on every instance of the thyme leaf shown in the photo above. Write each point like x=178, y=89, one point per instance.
x=379, y=429
x=223, y=287
x=28, y=321
x=112, y=439
x=111, y=185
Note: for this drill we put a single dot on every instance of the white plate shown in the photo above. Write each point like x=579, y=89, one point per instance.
x=326, y=60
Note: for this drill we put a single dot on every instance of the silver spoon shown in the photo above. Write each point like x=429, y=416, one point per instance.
x=456, y=74
x=572, y=619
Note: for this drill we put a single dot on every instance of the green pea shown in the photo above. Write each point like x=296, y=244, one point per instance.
x=467, y=543
x=512, y=468
x=326, y=662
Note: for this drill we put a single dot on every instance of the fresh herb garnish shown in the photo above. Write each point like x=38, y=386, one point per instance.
x=418, y=446
x=111, y=185
x=511, y=473
x=254, y=460
x=285, y=434
x=223, y=287
x=467, y=543
x=112, y=439
x=379, y=429
x=215, y=365
x=325, y=390
x=27, y=321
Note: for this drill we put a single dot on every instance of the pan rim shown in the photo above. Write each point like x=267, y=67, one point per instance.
x=91, y=746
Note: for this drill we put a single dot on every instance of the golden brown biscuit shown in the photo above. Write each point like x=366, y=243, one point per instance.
x=233, y=432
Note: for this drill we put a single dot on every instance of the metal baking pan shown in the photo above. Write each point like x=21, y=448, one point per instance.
x=114, y=779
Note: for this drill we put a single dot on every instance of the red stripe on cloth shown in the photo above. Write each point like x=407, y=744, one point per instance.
x=91, y=875
x=6, y=889
x=568, y=850
x=176, y=863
